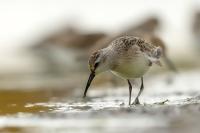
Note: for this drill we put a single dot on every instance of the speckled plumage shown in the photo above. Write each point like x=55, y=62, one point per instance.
x=127, y=57
x=130, y=57
x=131, y=43
x=126, y=50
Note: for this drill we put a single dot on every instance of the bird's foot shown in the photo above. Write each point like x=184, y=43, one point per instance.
x=136, y=102
x=162, y=103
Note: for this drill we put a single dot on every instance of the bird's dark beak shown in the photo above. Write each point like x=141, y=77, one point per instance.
x=91, y=77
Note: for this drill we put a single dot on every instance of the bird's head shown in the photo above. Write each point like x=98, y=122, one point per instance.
x=97, y=64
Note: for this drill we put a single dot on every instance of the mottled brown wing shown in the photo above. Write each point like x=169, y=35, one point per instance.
x=127, y=42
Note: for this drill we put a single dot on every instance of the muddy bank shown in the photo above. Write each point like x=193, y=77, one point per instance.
x=173, y=116
x=166, y=107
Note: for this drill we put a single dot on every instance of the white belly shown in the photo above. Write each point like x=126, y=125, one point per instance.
x=134, y=68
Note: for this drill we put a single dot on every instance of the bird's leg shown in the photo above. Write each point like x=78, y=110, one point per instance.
x=170, y=64
x=141, y=89
x=130, y=91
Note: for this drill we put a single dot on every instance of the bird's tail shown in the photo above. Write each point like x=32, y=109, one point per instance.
x=155, y=55
x=157, y=52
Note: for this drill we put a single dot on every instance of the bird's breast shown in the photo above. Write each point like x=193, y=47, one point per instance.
x=132, y=67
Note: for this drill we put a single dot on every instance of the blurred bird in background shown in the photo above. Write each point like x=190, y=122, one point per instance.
x=146, y=30
x=67, y=50
x=196, y=28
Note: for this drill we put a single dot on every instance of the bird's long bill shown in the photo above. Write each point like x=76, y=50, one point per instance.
x=91, y=77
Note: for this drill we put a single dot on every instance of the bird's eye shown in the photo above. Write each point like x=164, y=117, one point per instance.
x=96, y=65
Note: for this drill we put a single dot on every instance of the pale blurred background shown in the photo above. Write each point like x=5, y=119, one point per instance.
x=25, y=24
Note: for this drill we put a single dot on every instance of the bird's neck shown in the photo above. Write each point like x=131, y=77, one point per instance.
x=107, y=57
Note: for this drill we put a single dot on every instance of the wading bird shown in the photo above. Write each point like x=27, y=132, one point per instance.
x=128, y=57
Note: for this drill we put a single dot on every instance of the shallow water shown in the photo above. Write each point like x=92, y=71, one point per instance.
x=166, y=107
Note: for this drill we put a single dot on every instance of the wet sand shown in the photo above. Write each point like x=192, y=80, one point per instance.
x=166, y=107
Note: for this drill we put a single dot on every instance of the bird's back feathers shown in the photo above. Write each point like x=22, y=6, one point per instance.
x=127, y=43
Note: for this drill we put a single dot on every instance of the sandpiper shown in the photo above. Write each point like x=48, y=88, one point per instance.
x=128, y=57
